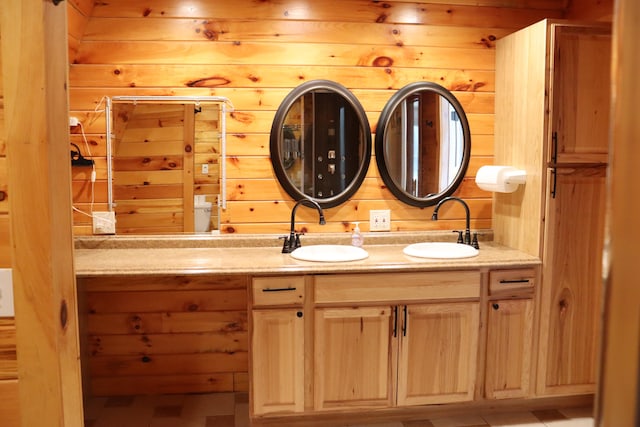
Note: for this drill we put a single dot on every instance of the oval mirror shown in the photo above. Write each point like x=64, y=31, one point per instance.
x=422, y=144
x=320, y=143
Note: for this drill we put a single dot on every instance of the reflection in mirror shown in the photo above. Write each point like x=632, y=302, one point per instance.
x=320, y=143
x=422, y=144
x=166, y=166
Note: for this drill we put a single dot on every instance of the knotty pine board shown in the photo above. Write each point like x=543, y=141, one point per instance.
x=168, y=334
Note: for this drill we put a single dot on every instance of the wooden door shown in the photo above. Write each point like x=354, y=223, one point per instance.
x=572, y=282
x=277, y=360
x=438, y=353
x=580, y=92
x=353, y=357
x=509, y=347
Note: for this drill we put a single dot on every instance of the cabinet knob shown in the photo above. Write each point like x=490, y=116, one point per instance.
x=495, y=306
x=299, y=314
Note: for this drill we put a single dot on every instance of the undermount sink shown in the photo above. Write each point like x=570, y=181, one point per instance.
x=440, y=250
x=329, y=253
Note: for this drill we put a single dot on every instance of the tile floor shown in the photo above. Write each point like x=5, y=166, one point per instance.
x=232, y=410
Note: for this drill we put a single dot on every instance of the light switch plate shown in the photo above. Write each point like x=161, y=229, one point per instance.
x=380, y=220
x=6, y=293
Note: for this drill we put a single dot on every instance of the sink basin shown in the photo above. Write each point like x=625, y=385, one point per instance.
x=441, y=250
x=329, y=253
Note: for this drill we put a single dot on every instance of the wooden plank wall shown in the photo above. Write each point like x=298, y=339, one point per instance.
x=149, y=176
x=590, y=10
x=165, y=334
x=9, y=409
x=78, y=13
x=254, y=53
x=5, y=247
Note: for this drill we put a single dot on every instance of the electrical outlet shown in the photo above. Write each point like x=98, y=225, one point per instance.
x=73, y=121
x=104, y=223
x=380, y=220
x=6, y=293
x=205, y=168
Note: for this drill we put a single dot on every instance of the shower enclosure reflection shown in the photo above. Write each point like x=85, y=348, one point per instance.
x=320, y=143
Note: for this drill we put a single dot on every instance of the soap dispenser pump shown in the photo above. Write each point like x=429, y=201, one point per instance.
x=356, y=238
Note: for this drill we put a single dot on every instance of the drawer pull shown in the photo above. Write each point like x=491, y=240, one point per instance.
x=505, y=281
x=278, y=289
x=404, y=322
x=395, y=321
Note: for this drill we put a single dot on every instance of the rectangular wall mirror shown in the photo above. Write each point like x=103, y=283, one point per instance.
x=166, y=169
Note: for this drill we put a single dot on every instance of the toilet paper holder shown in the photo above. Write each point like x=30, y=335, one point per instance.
x=500, y=179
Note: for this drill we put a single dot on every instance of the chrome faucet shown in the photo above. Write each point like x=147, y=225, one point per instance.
x=467, y=232
x=292, y=241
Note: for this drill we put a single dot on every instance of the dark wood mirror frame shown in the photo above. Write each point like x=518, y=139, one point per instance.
x=363, y=149
x=381, y=140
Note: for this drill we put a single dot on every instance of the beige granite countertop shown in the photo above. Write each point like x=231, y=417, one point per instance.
x=260, y=255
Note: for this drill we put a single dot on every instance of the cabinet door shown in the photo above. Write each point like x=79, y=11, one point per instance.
x=438, y=353
x=277, y=362
x=353, y=362
x=509, y=342
x=580, y=92
x=572, y=283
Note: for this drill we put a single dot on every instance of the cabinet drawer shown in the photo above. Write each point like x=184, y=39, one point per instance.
x=512, y=282
x=281, y=290
x=391, y=287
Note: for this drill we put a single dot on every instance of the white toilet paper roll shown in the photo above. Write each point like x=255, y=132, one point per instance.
x=500, y=179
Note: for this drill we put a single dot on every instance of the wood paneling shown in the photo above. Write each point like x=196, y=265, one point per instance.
x=149, y=150
x=590, y=10
x=9, y=406
x=619, y=385
x=9, y=403
x=78, y=13
x=495, y=13
x=309, y=54
x=181, y=29
x=517, y=215
x=36, y=131
x=166, y=384
x=8, y=360
x=158, y=48
x=164, y=329
x=5, y=244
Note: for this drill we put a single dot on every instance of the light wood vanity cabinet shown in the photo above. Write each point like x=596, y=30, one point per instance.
x=438, y=353
x=552, y=107
x=352, y=360
x=277, y=344
x=570, y=310
x=579, y=93
x=510, y=315
x=327, y=342
x=372, y=351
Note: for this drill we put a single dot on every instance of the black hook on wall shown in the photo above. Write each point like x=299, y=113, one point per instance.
x=57, y=2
